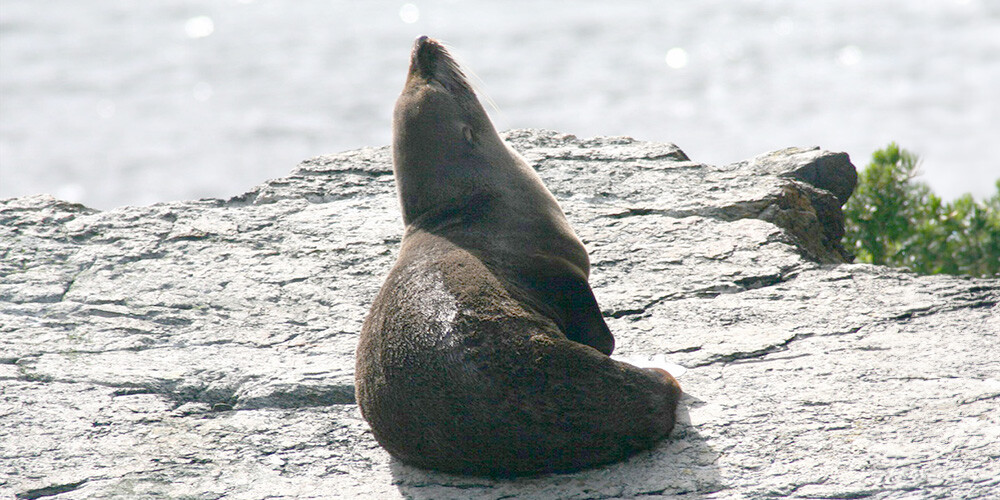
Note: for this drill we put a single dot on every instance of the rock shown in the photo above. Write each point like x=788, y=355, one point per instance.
x=205, y=349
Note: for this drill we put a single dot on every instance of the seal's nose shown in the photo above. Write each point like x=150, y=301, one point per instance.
x=426, y=52
x=431, y=62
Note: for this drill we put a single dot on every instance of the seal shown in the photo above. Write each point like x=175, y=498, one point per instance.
x=485, y=351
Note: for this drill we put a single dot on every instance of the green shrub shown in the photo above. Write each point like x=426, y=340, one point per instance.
x=893, y=220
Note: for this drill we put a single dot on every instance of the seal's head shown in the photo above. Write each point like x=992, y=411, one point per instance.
x=441, y=131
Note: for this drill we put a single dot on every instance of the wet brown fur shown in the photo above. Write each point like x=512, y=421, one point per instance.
x=485, y=351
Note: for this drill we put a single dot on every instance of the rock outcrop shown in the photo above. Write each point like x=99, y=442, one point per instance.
x=204, y=349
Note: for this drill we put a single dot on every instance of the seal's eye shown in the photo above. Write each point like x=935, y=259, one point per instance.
x=467, y=132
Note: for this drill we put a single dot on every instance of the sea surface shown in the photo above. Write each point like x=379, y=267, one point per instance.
x=115, y=102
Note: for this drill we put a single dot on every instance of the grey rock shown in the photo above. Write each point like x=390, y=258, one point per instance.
x=204, y=349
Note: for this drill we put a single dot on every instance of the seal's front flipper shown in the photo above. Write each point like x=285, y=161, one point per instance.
x=559, y=290
x=584, y=322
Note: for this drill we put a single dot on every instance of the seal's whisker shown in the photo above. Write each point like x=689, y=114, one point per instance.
x=479, y=87
x=474, y=81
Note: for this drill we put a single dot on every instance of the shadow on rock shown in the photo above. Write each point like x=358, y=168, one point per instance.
x=681, y=464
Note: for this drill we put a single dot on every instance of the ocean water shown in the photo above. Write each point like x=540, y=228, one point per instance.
x=115, y=102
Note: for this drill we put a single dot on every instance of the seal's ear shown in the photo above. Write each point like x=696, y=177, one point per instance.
x=467, y=132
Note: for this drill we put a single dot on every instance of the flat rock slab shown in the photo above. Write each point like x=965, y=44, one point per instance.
x=205, y=349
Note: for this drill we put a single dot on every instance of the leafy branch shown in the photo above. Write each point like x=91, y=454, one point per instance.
x=894, y=220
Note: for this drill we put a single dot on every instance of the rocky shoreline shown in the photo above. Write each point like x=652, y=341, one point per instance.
x=205, y=349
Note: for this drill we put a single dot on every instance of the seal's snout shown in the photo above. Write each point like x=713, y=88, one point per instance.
x=427, y=54
x=430, y=61
x=420, y=49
